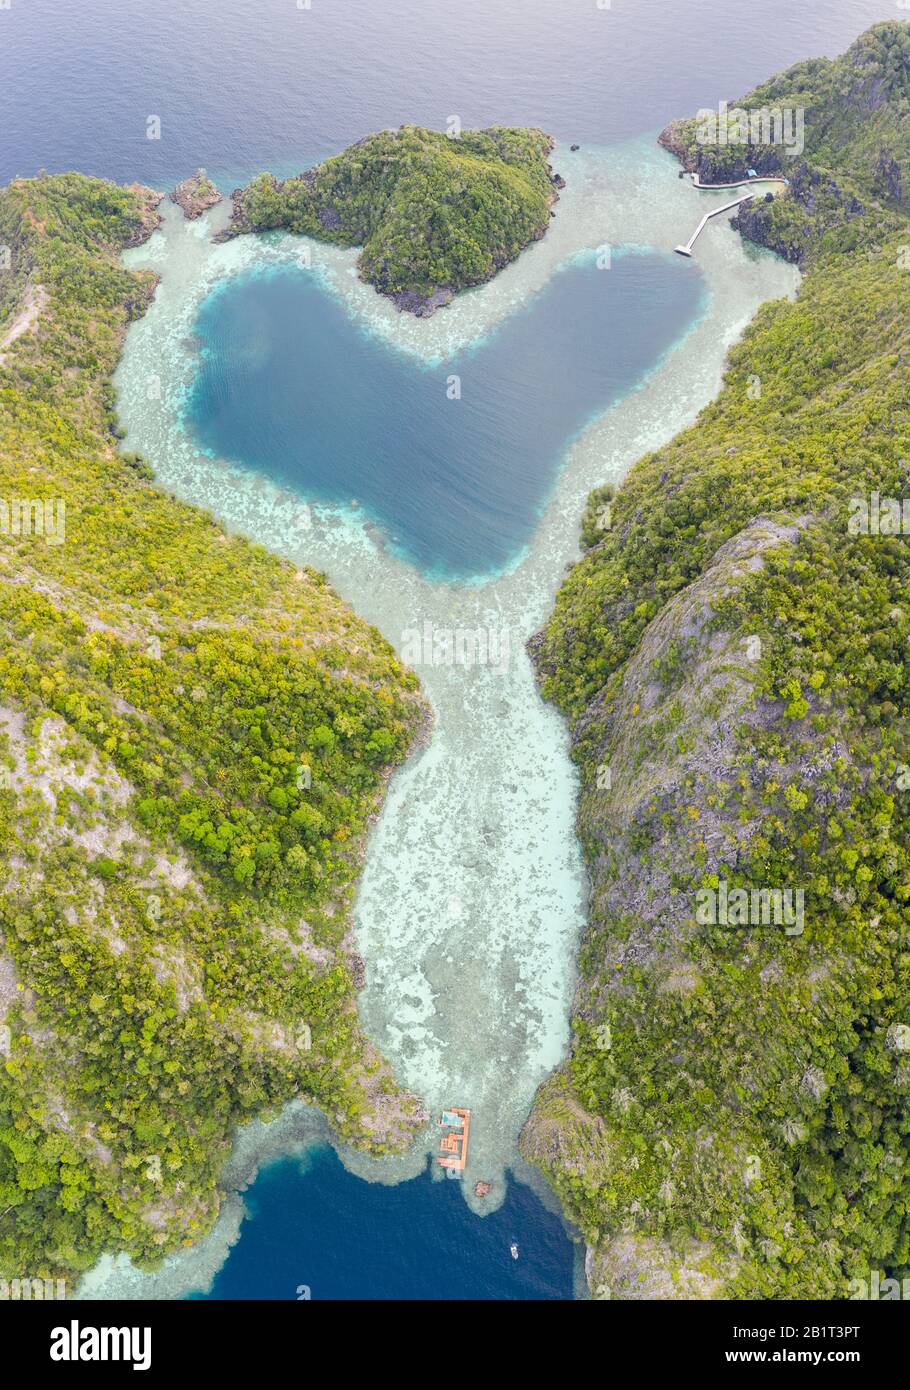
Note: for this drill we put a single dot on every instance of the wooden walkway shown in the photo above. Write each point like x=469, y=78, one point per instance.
x=716, y=212
x=686, y=250
x=742, y=183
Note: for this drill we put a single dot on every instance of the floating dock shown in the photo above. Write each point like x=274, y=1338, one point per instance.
x=453, y=1146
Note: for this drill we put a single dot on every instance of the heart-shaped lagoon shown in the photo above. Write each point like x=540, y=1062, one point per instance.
x=454, y=461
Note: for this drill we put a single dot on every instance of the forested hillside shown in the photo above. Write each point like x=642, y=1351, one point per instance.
x=731, y=654
x=193, y=737
x=847, y=154
x=433, y=214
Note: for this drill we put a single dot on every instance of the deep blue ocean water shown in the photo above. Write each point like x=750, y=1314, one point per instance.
x=244, y=85
x=417, y=1240
x=291, y=387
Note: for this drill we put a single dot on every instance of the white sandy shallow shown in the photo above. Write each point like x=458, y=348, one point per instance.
x=473, y=894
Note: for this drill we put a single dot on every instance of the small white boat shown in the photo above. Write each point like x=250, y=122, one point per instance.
x=514, y=1250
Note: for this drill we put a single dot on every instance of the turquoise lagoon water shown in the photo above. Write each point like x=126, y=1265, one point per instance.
x=473, y=887
x=452, y=461
x=288, y=387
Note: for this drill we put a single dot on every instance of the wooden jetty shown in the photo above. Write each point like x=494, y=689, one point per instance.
x=716, y=212
x=686, y=249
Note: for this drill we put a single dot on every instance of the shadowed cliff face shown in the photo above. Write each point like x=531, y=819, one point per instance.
x=731, y=656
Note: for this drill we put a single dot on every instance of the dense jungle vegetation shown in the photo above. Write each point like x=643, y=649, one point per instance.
x=431, y=212
x=193, y=737
x=734, y=1120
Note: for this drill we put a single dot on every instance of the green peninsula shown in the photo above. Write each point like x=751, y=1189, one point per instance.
x=434, y=214
x=731, y=656
x=193, y=739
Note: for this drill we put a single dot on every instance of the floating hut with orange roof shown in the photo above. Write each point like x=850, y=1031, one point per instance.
x=453, y=1146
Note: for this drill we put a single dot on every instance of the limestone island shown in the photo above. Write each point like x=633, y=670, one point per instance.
x=433, y=213
x=195, y=195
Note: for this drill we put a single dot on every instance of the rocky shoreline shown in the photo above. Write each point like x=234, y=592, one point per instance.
x=810, y=190
x=412, y=301
x=714, y=165
x=195, y=195
x=148, y=200
x=812, y=196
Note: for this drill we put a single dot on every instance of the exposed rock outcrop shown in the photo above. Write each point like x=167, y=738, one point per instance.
x=195, y=195
x=888, y=176
x=818, y=203
x=148, y=200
